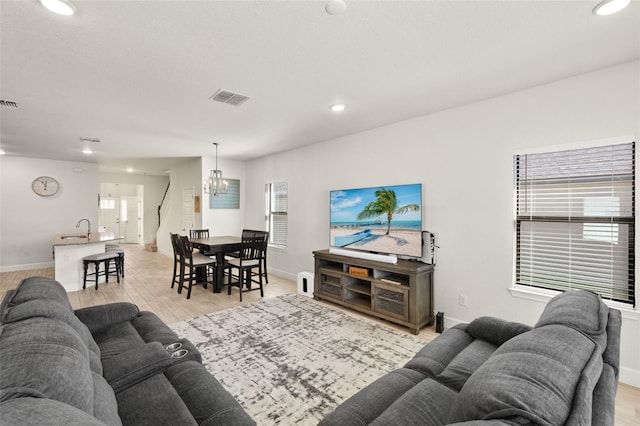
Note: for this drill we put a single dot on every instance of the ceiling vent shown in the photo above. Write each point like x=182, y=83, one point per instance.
x=8, y=104
x=229, y=97
x=92, y=140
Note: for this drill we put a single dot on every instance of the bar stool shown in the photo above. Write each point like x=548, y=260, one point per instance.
x=116, y=249
x=96, y=260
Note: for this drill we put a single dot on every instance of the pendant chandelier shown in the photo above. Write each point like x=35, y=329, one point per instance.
x=215, y=185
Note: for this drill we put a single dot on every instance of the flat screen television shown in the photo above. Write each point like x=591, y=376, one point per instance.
x=381, y=219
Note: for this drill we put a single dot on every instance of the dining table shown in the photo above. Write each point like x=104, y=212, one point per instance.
x=218, y=246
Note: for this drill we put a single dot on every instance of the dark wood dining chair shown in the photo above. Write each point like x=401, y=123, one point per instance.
x=255, y=233
x=198, y=233
x=251, y=252
x=175, y=244
x=190, y=263
x=262, y=271
x=236, y=254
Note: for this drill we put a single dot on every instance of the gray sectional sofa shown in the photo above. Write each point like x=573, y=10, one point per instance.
x=103, y=365
x=112, y=365
x=562, y=371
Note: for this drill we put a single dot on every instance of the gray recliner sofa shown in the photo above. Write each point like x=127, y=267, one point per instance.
x=562, y=371
x=103, y=365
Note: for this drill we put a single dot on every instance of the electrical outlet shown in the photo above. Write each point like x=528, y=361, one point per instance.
x=462, y=299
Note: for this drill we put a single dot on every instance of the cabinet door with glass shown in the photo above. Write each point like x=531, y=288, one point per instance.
x=391, y=300
x=330, y=284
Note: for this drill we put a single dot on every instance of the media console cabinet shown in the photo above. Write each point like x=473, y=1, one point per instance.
x=400, y=293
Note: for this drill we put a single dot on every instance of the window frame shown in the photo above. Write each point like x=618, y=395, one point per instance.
x=270, y=214
x=541, y=293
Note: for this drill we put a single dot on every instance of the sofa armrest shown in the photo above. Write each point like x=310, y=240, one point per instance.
x=604, y=395
x=495, y=330
x=136, y=365
x=97, y=318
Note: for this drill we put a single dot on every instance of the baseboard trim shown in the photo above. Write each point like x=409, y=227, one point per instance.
x=30, y=266
x=452, y=322
x=629, y=376
x=282, y=274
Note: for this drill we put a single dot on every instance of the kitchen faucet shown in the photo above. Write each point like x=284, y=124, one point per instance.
x=88, y=226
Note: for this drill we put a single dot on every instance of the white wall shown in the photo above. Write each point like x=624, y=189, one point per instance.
x=29, y=222
x=463, y=157
x=218, y=221
x=185, y=175
x=223, y=221
x=154, y=187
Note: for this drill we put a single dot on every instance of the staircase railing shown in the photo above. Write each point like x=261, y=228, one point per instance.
x=166, y=191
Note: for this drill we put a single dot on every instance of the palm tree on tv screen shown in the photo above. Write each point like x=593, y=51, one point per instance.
x=386, y=203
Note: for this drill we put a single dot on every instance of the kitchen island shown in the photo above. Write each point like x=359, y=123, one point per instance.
x=68, y=251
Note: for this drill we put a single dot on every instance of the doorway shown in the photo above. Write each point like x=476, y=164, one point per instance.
x=120, y=212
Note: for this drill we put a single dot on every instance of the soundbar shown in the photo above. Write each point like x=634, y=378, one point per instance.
x=385, y=258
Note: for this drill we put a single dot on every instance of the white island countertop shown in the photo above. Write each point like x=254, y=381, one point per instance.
x=75, y=238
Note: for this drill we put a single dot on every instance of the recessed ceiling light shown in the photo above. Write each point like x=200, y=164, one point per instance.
x=337, y=107
x=129, y=170
x=87, y=150
x=61, y=7
x=608, y=7
x=335, y=7
x=2, y=152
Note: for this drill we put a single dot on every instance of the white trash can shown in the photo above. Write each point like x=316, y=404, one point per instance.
x=305, y=283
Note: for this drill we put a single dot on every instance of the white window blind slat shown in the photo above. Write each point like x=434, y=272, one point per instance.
x=276, y=208
x=575, y=220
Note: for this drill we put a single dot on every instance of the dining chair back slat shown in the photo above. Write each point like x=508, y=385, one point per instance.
x=198, y=233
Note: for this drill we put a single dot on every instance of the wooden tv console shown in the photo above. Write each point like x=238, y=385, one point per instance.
x=400, y=293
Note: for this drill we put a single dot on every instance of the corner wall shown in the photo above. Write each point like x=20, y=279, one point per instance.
x=191, y=175
x=154, y=187
x=463, y=157
x=29, y=222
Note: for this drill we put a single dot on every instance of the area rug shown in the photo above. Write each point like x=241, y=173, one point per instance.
x=292, y=360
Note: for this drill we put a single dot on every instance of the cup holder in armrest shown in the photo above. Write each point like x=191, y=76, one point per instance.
x=173, y=346
x=181, y=353
x=182, y=350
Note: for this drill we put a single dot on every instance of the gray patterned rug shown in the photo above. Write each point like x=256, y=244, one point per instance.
x=292, y=360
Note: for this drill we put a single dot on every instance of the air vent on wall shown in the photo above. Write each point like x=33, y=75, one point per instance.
x=229, y=97
x=8, y=104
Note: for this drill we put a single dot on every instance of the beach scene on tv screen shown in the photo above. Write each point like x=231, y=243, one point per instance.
x=385, y=219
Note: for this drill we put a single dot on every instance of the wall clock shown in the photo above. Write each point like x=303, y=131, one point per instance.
x=45, y=186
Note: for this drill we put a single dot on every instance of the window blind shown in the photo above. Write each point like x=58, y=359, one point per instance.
x=276, y=196
x=575, y=220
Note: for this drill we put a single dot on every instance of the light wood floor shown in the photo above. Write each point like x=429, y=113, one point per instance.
x=147, y=283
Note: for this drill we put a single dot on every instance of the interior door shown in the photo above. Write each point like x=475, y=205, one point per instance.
x=130, y=218
x=188, y=217
x=109, y=217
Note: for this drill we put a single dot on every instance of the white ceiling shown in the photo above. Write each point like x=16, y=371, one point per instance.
x=138, y=74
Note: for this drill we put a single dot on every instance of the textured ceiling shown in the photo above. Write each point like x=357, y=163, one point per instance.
x=138, y=74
